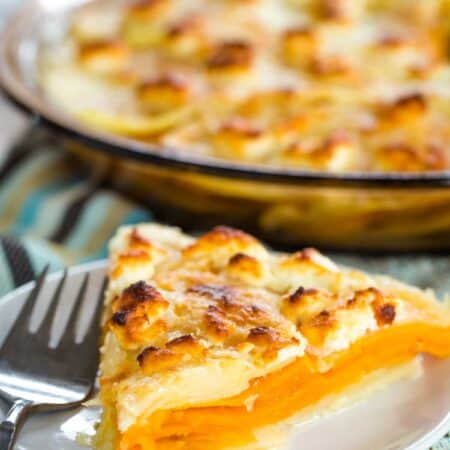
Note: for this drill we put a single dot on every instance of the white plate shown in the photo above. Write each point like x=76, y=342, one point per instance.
x=412, y=414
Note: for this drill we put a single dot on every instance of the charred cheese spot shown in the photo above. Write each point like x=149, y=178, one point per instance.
x=144, y=22
x=303, y=304
x=385, y=314
x=268, y=340
x=242, y=260
x=216, y=324
x=336, y=154
x=186, y=38
x=416, y=101
x=391, y=40
x=181, y=350
x=230, y=61
x=341, y=11
x=148, y=9
x=262, y=336
x=337, y=328
x=187, y=345
x=163, y=93
x=137, y=314
x=323, y=319
x=406, y=109
x=218, y=246
x=239, y=138
x=333, y=9
x=340, y=323
x=331, y=65
x=316, y=330
x=153, y=360
x=299, y=295
x=304, y=268
x=232, y=305
x=366, y=296
x=299, y=45
x=136, y=240
x=314, y=256
x=104, y=58
x=243, y=313
x=231, y=55
x=185, y=26
x=247, y=269
x=217, y=293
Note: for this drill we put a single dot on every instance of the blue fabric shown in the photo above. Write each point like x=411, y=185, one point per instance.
x=37, y=195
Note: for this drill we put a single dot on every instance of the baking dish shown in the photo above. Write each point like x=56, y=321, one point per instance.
x=373, y=211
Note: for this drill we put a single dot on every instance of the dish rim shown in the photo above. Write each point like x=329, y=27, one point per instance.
x=27, y=98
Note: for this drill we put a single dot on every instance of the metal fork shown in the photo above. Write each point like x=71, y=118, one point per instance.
x=35, y=376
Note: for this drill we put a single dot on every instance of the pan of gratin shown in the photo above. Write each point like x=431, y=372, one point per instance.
x=319, y=122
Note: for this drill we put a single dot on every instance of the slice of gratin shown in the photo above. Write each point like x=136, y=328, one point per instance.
x=209, y=340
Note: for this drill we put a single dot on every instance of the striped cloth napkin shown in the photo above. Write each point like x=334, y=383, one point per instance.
x=53, y=211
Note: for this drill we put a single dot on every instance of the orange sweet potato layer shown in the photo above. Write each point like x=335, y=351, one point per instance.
x=284, y=392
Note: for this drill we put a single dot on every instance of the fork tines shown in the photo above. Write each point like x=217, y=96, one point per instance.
x=20, y=330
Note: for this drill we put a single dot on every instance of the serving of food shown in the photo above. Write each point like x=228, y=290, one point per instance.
x=315, y=122
x=217, y=342
x=336, y=86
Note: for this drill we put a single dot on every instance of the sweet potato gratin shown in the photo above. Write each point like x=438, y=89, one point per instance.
x=209, y=340
x=334, y=85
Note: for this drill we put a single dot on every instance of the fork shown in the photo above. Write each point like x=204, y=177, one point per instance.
x=37, y=377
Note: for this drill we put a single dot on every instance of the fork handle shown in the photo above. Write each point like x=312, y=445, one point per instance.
x=12, y=422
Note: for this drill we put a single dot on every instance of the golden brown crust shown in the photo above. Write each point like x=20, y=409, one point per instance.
x=181, y=349
x=136, y=313
x=230, y=55
x=147, y=9
x=105, y=58
x=299, y=45
x=163, y=93
x=224, y=290
x=377, y=74
x=153, y=359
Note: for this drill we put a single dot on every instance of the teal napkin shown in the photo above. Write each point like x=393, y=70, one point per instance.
x=54, y=212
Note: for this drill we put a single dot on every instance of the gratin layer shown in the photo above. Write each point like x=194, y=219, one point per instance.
x=318, y=84
x=201, y=331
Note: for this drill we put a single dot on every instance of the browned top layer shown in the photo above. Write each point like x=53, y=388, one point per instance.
x=367, y=82
x=181, y=301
